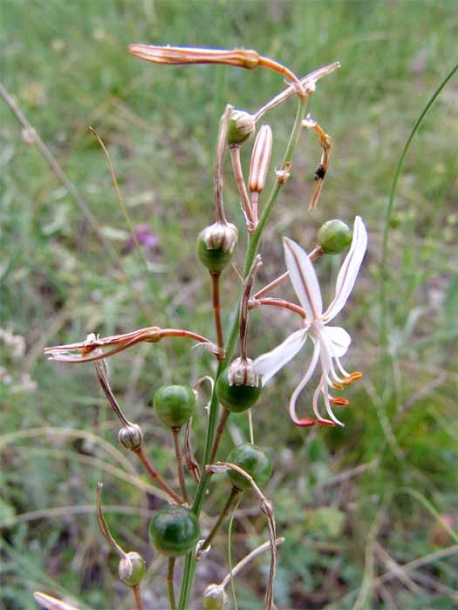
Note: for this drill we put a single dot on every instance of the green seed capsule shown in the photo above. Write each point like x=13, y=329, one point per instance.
x=241, y=127
x=239, y=386
x=174, y=404
x=174, y=531
x=334, y=237
x=131, y=569
x=216, y=245
x=214, y=597
x=254, y=461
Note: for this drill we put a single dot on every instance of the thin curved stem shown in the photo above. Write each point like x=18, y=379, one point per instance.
x=231, y=501
x=390, y=206
x=170, y=587
x=179, y=462
x=137, y=597
x=216, y=305
x=156, y=476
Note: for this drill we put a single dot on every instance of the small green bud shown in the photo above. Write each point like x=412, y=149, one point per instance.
x=131, y=569
x=254, y=460
x=241, y=127
x=215, y=597
x=239, y=386
x=131, y=437
x=334, y=237
x=216, y=245
x=174, y=404
x=174, y=530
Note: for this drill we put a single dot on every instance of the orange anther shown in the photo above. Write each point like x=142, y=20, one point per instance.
x=339, y=401
x=325, y=422
x=305, y=422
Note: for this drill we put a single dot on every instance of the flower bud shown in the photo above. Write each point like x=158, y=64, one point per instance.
x=216, y=245
x=241, y=126
x=260, y=159
x=131, y=437
x=131, y=569
x=334, y=237
x=239, y=387
x=215, y=597
x=254, y=461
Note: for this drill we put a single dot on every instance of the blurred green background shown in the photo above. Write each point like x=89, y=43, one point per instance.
x=368, y=512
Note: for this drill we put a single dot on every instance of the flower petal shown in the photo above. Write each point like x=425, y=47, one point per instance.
x=349, y=270
x=338, y=339
x=271, y=362
x=304, y=280
x=303, y=382
x=329, y=409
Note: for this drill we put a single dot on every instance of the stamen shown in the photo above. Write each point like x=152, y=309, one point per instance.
x=325, y=422
x=338, y=386
x=340, y=401
x=305, y=422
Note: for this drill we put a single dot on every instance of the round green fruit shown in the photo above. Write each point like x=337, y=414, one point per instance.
x=237, y=396
x=241, y=127
x=131, y=569
x=254, y=460
x=216, y=245
x=174, y=404
x=174, y=531
x=334, y=237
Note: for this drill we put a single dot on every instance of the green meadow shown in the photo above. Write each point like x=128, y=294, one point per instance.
x=368, y=511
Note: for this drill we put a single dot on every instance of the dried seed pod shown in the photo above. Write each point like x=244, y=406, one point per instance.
x=131, y=437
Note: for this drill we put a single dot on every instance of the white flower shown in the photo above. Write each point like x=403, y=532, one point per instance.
x=330, y=342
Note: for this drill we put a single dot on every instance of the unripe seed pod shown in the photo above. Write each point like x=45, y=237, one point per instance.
x=260, y=159
x=334, y=237
x=215, y=597
x=131, y=437
x=174, y=404
x=254, y=460
x=241, y=126
x=216, y=245
x=239, y=386
x=174, y=530
x=131, y=569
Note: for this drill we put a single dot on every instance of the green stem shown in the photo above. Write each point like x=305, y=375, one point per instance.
x=232, y=499
x=287, y=159
x=390, y=206
x=219, y=432
x=253, y=245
